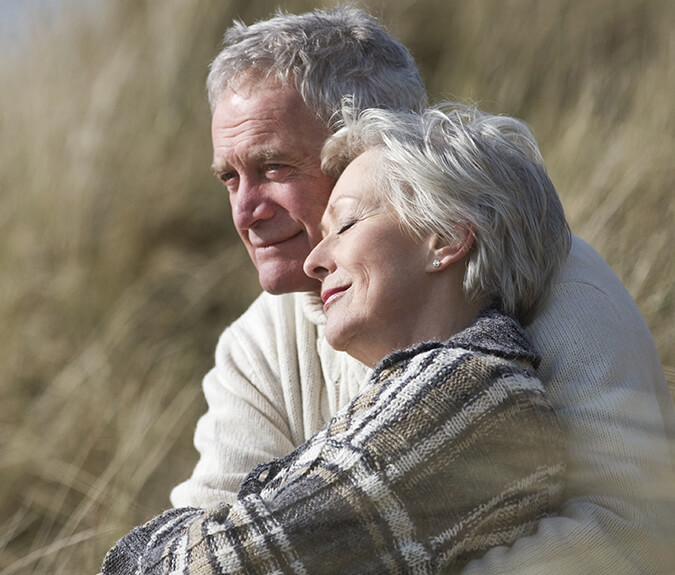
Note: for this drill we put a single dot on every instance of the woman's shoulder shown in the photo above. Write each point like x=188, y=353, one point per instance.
x=491, y=358
x=492, y=334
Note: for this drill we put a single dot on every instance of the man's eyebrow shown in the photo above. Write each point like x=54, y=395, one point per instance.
x=268, y=154
x=276, y=156
x=218, y=169
x=259, y=156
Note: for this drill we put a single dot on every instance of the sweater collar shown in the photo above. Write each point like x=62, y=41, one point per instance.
x=312, y=307
x=495, y=332
x=492, y=331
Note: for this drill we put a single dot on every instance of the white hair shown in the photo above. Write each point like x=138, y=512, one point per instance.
x=326, y=55
x=453, y=169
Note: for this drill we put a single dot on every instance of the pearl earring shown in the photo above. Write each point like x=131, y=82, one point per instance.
x=436, y=264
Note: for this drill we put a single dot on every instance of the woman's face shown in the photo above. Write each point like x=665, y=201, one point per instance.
x=372, y=272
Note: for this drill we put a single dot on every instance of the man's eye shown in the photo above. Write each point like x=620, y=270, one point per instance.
x=226, y=176
x=276, y=171
x=229, y=179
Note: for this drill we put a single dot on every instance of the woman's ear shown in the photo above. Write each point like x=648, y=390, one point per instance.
x=442, y=254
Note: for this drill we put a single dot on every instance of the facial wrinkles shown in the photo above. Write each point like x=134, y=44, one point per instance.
x=284, y=128
x=246, y=148
x=374, y=313
x=346, y=209
x=254, y=130
x=247, y=144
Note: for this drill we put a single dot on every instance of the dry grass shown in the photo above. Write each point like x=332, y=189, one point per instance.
x=119, y=266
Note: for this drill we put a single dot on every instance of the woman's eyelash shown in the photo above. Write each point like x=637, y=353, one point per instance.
x=346, y=226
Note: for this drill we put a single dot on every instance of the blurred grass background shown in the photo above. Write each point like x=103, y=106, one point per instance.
x=119, y=265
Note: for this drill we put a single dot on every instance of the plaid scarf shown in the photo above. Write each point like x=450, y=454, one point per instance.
x=451, y=449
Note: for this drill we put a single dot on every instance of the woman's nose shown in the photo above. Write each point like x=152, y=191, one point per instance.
x=318, y=263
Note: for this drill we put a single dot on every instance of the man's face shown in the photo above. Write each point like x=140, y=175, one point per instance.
x=266, y=150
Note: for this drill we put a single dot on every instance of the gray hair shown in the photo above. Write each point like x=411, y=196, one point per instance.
x=454, y=168
x=327, y=55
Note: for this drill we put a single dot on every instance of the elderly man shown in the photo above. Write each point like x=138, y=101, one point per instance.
x=275, y=91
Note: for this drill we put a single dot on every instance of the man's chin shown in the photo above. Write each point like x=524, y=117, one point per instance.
x=288, y=282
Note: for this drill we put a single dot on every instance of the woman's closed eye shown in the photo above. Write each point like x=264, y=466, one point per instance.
x=346, y=225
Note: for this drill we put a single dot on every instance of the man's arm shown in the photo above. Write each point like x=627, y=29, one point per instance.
x=246, y=422
x=606, y=384
x=276, y=382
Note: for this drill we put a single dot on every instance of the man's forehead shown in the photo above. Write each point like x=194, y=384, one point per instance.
x=262, y=99
x=260, y=129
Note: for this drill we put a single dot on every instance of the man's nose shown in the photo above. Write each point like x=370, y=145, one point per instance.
x=251, y=204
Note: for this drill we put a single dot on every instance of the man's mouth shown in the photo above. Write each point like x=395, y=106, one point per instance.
x=262, y=244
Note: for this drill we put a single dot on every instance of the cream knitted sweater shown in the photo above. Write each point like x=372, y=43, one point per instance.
x=276, y=382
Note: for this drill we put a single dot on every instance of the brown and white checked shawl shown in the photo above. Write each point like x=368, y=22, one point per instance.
x=451, y=449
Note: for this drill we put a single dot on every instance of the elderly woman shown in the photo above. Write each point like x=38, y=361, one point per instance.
x=441, y=237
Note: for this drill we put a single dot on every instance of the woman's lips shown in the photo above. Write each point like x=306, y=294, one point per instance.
x=330, y=295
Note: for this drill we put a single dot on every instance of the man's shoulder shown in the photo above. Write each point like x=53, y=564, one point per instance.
x=590, y=327
x=585, y=266
x=587, y=291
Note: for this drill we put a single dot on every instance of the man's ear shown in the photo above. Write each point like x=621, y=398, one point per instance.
x=442, y=254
